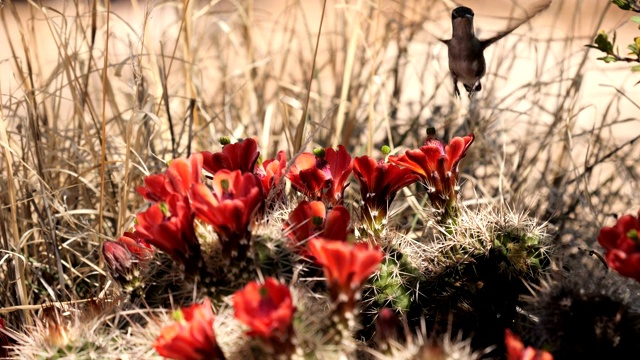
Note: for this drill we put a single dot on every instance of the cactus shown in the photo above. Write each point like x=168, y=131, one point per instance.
x=586, y=312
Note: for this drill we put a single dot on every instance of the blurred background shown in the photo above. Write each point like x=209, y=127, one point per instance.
x=555, y=127
x=547, y=48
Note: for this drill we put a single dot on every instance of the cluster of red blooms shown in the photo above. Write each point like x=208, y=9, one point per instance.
x=168, y=223
x=242, y=184
x=267, y=309
x=179, y=195
x=322, y=176
x=622, y=245
x=235, y=192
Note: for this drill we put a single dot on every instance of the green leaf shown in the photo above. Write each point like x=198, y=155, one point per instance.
x=635, y=47
x=636, y=68
x=608, y=59
x=635, y=19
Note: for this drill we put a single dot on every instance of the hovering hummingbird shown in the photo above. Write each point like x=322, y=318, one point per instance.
x=466, y=51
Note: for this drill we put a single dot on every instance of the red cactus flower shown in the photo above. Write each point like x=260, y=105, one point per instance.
x=230, y=207
x=155, y=188
x=136, y=245
x=242, y=156
x=191, y=337
x=126, y=256
x=170, y=229
x=437, y=166
x=183, y=173
x=310, y=219
x=180, y=175
x=322, y=177
x=517, y=351
x=118, y=259
x=336, y=226
x=305, y=222
x=622, y=245
x=346, y=266
x=270, y=172
x=267, y=309
x=379, y=183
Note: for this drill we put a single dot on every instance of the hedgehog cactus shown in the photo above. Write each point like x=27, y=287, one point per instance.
x=465, y=274
x=586, y=313
x=393, y=284
x=525, y=254
x=474, y=268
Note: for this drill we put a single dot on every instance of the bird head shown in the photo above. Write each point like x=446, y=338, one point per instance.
x=462, y=12
x=462, y=21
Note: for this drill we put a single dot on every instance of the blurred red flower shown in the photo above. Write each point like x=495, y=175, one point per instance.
x=154, y=188
x=310, y=219
x=139, y=248
x=379, y=183
x=336, y=225
x=437, y=165
x=170, y=229
x=230, y=207
x=270, y=172
x=125, y=256
x=191, y=337
x=622, y=246
x=178, y=179
x=183, y=173
x=322, y=177
x=168, y=224
x=242, y=156
x=267, y=309
x=517, y=351
x=305, y=222
x=118, y=259
x=346, y=266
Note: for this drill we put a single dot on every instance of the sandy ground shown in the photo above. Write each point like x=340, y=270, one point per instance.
x=565, y=19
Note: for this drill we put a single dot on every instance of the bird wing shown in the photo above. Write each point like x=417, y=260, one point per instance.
x=533, y=10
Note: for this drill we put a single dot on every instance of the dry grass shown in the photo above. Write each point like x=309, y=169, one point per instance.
x=95, y=98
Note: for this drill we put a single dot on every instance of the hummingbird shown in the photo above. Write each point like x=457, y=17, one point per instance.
x=466, y=51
